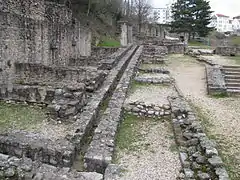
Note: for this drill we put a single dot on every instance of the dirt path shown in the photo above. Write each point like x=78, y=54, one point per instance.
x=221, y=115
x=153, y=154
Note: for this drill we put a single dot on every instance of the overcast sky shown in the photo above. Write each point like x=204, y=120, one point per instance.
x=226, y=7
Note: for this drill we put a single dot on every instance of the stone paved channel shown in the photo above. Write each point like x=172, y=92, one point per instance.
x=221, y=114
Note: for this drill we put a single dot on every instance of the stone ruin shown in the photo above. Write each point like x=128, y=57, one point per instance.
x=227, y=50
x=45, y=59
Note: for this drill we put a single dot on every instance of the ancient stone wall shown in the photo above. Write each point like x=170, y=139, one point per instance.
x=215, y=80
x=38, y=31
x=227, y=50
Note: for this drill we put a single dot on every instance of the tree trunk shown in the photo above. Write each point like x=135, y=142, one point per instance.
x=89, y=6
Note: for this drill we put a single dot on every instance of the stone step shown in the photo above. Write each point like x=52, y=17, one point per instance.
x=233, y=84
x=233, y=87
x=231, y=67
x=232, y=76
x=232, y=80
x=236, y=73
x=233, y=91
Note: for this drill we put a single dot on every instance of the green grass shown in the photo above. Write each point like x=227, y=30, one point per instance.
x=235, y=40
x=129, y=133
x=220, y=95
x=109, y=42
x=200, y=44
x=20, y=116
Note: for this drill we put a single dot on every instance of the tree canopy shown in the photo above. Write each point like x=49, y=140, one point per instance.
x=192, y=17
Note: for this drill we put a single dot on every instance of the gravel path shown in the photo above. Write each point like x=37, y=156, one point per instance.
x=151, y=94
x=159, y=161
x=223, y=114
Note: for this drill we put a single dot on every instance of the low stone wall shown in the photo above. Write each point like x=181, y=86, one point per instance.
x=62, y=152
x=227, y=50
x=102, y=60
x=198, y=154
x=154, y=80
x=25, y=168
x=100, y=152
x=110, y=61
x=34, y=74
x=62, y=101
x=175, y=48
x=102, y=52
x=154, y=70
x=215, y=80
x=147, y=110
x=80, y=129
x=33, y=146
x=197, y=52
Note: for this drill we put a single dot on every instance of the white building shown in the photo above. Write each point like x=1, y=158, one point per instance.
x=165, y=13
x=222, y=23
x=236, y=24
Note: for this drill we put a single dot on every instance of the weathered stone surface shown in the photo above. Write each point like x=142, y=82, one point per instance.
x=39, y=171
x=112, y=172
x=100, y=151
x=202, y=152
x=215, y=80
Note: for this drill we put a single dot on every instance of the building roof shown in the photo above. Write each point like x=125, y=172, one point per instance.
x=236, y=17
x=221, y=15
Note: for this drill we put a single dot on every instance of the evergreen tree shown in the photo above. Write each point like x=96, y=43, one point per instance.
x=202, y=17
x=182, y=16
x=192, y=17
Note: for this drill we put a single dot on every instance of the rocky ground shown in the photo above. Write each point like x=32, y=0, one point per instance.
x=219, y=115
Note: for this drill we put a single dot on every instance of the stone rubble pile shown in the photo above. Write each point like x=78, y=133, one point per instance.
x=148, y=110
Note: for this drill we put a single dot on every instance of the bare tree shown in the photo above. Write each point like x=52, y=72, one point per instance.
x=143, y=10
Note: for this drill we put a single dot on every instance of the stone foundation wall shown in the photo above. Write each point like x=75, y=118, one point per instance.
x=198, y=154
x=227, y=50
x=25, y=168
x=38, y=31
x=102, y=52
x=33, y=146
x=100, y=152
x=215, y=80
x=177, y=48
x=38, y=74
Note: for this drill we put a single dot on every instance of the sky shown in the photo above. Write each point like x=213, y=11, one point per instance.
x=226, y=7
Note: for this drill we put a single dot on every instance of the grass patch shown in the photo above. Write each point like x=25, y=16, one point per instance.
x=235, y=40
x=129, y=133
x=196, y=43
x=20, y=116
x=220, y=95
x=109, y=42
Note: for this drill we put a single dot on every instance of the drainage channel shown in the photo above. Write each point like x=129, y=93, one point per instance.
x=89, y=119
x=101, y=148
